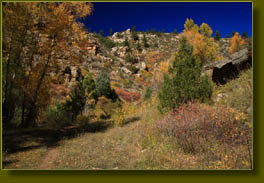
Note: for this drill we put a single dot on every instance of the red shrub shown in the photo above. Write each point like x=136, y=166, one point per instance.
x=128, y=96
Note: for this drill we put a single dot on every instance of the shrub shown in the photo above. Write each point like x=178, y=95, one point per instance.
x=130, y=59
x=119, y=35
x=133, y=69
x=128, y=96
x=148, y=93
x=102, y=84
x=217, y=35
x=134, y=33
x=77, y=101
x=107, y=106
x=145, y=41
x=88, y=83
x=126, y=43
x=119, y=117
x=214, y=133
x=82, y=120
x=185, y=83
x=108, y=43
x=57, y=115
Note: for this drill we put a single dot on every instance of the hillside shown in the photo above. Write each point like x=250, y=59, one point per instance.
x=132, y=100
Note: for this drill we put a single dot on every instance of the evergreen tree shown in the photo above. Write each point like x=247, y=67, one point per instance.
x=217, y=35
x=145, y=42
x=233, y=33
x=163, y=31
x=153, y=31
x=185, y=82
x=244, y=35
x=175, y=31
x=102, y=84
x=101, y=32
x=111, y=32
x=134, y=33
x=139, y=47
x=126, y=43
x=77, y=102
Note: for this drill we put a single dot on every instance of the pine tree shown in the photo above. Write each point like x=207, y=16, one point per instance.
x=185, y=82
x=101, y=32
x=233, y=33
x=153, y=31
x=217, y=35
x=102, y=84
x=145, y=42
x=134, y=33
x=244, y=35
x=175, y=31
x=111, y=32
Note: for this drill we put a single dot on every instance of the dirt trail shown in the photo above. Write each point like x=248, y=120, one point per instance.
x=49, y=158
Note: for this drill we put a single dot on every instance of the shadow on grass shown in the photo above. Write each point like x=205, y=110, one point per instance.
x=130, y=120
x=28, y=139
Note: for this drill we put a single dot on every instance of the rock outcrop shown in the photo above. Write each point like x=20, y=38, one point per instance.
x=230, y=68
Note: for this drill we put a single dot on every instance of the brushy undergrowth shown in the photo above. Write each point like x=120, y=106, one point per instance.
x=220, y=136
x=238, y=93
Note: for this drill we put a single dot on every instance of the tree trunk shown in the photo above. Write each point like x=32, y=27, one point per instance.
x=32, y=109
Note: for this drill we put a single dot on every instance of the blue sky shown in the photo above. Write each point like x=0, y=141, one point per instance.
x=223, y=16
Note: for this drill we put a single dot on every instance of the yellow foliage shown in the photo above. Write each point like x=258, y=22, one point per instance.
x=119, y=117
x=204, y=48
x=206, y=30
x=236, y=43
x=164, y=67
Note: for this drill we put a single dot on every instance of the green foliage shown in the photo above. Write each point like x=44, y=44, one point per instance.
x=126, y=43
x=158, y=33
x=227, y=36
x=102, y=85
x=156, y=45
x=108, y=43
x=101, y=32
x=185, y=83
x=57, y=115
x=217, y=35
x=244, y=35
x=139, y=47
x=89, y=86
x=134, y=33
x=162, y=30
x=77, y=101
x=145, y=41
x=206, y=30
x=148, y=93
x=233, y=33
x=88, y=83
x=130, y=59
x=119, y=36
x=175, y=31
x=111, y=32
x=147, y=31
x=133, y=69
x=153, y=31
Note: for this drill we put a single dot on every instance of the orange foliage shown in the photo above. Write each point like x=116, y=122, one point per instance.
x=236, y=43
x=128, y=96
